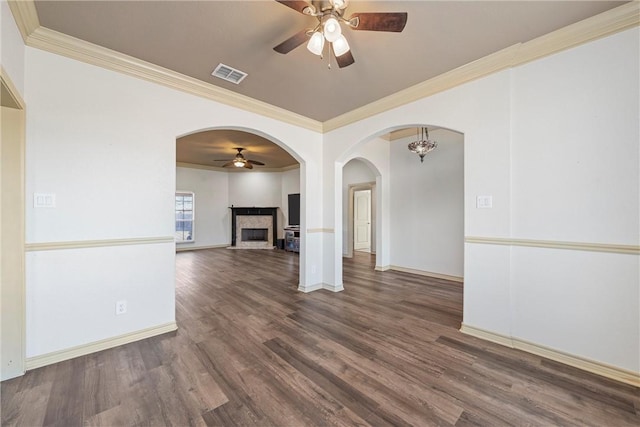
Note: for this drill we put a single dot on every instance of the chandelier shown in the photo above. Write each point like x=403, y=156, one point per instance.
x=422, y=145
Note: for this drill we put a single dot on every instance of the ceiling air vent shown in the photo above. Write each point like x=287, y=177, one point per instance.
x=229, y=74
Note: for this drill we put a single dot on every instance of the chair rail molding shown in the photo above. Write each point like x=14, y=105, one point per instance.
x=553, y=244
x=52, y=246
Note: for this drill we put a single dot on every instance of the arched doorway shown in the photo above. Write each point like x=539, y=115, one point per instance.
x=359, y=207
x=420, y=205
x=270, y=172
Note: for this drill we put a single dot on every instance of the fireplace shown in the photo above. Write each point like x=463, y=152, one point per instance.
x=254, y=228
x=255, y=234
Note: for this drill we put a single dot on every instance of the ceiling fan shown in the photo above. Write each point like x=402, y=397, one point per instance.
x=239, y=161
x=330, y=16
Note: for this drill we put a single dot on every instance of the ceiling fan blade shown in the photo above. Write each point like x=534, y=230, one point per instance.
x=248, y=165
x=226, y=165
x=345, y=60
x=299, y=6
x=255, y=162
x=380, y=21
x=292, y=42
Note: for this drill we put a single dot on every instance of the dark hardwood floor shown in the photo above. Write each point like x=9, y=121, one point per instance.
x=252, y=350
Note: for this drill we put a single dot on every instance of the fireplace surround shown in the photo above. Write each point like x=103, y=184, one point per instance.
x=254, y=218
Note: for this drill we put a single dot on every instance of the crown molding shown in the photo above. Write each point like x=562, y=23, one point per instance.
x=71, y=47
x=26, y=16
x=601, y=25
x=233, y=170
x=490, y=64
x=604, y=24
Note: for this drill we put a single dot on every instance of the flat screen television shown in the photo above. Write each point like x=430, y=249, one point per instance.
x=294, y=209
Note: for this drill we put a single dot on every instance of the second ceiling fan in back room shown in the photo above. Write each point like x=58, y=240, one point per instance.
x=330, y=16
x=239, y=161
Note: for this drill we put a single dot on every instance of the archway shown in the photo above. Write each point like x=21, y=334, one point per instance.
x=420, y=204
x=273, y=172
x=359, y=177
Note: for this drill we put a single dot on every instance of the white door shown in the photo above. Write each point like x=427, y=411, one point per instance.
x=12, y=247
x=362, y=220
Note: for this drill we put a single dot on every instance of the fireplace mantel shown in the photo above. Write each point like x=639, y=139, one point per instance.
x=235, y=211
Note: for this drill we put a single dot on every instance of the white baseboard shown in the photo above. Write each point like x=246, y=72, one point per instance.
x=309, y=288
x=419, y=272
x=333, y=288
x=81, y=350
x=427, y=273
x=599, y=368
x=197, y=248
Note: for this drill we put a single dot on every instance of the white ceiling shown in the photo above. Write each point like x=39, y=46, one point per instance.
x=193, y=37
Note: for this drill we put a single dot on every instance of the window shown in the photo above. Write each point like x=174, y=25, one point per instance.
x=184, y=216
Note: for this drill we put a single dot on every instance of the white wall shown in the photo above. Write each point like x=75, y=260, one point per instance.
x=260, y=189
x=11, y=47
x=216, y=191
x=427, y=206
x=104, y=143
x=576, y=178
x=212, y=215
x=355, y=172
x=555, y=143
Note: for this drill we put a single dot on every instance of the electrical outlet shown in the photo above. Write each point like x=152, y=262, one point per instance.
x=121, y=307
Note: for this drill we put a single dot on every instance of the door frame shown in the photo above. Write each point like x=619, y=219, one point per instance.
x=15, y=101
x=350, y=226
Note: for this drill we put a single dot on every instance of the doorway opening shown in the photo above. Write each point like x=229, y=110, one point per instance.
x=232, y=170
x=359, y=208
x=12, y=230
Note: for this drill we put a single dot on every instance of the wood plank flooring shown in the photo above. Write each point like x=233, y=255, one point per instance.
x=252, y=350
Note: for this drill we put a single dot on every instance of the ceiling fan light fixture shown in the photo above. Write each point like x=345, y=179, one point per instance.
x=316, y=43
x=239, y=163
x=332, y=29
x=340, y=46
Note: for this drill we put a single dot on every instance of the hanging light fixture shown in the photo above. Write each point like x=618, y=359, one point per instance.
x=422, y=145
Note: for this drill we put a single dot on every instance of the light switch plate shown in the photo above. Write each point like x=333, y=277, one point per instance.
x=44, y=200
x=484, y=202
